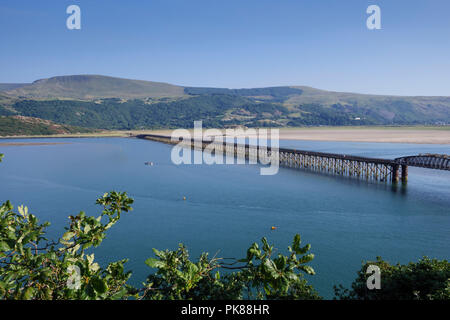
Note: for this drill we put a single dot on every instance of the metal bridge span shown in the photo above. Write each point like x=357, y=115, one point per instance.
x=392, y=170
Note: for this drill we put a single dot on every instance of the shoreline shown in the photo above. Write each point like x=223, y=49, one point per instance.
x=407, y=134
x=20, y=144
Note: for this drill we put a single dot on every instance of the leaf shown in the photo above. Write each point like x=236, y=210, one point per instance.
x=90, y=258
x=270, y=267
x=28, y=294
x=296, y=242
x=68, y=235
x=154, y=263
x=119, y=295
x=303, y=250
x=266, y=246
x=94, y=267
x=307, y=258
x=4, y=246
x=23, y=211
x=308, y=270
x=99, y=285
x=193, y=269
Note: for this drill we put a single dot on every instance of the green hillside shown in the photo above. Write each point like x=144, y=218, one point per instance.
x=18, y=125
x=389, y=108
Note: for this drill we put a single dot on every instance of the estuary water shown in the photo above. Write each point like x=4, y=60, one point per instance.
x=228, y=207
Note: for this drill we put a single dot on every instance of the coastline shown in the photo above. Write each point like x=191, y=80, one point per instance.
x=414, y=135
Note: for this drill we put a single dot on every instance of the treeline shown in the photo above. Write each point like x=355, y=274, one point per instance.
x=212, y=109
x=140, y=114
x=132, y=114
x=275, y=93
x=218, y=108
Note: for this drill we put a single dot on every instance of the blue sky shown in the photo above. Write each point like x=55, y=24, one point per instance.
x=234, y=43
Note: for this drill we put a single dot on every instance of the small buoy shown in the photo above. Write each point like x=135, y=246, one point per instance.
x=274, y=228
x=184, y=198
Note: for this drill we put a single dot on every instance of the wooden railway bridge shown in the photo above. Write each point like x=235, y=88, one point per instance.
x=341, y=164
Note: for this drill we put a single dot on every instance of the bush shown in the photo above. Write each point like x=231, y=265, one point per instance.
x=427, y=279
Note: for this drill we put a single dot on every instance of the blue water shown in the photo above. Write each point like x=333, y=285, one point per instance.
x=230, y=206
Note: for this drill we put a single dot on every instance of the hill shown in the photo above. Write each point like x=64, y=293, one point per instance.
x=19, y=125
x=115, y=103
x=95, y=86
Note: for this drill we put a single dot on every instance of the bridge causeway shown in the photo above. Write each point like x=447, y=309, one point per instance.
x=387, y=170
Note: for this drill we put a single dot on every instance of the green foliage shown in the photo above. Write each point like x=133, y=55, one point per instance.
x=216, y=110
x=258, y=276
x=275, y=93
x=336, y=115
x=427, y=279
x=133, y=114
x=32, y=267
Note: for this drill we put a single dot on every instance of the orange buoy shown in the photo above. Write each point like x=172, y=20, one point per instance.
x=273, y=228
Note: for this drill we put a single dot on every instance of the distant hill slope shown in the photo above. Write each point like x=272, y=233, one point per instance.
x=19, y=125
x=95, y=86
x=11, y=86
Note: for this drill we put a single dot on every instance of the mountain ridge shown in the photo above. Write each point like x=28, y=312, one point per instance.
x=93, y=87
x=14, y=89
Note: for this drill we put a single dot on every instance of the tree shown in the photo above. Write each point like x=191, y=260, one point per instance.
x=258, y=276
x=32, y=267
x=427, y=279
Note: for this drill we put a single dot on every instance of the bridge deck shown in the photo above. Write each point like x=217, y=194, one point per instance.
x=287, y=150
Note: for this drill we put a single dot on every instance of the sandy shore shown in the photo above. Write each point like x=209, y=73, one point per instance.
x=390, y=135
x=421, y=135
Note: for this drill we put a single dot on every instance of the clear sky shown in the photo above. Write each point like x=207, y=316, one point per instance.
x=234, y=43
